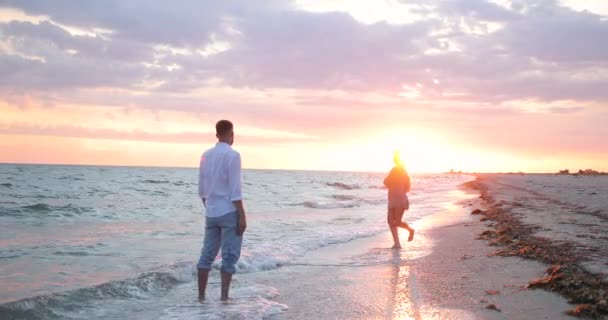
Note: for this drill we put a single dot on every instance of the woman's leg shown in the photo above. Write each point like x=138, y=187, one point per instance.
x=404, y=225
x=392, y=225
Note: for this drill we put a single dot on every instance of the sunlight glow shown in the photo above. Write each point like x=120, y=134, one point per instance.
x=420, y=150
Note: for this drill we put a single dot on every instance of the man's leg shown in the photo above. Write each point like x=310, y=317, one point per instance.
x=226, y=280
x=211, y=246
x=203, y=277
x=231, y=251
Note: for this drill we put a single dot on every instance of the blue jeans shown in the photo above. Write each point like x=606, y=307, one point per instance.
x=221, y=232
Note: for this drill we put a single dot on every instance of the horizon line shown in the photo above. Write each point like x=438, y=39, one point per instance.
x=262, y=169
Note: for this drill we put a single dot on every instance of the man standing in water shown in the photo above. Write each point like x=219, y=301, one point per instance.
x=219, y=186
x=398, y=184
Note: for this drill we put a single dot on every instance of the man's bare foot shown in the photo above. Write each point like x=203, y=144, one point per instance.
x=396, y=246
x=411, y=237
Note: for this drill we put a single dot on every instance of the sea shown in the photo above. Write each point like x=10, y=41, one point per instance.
x=100, y=242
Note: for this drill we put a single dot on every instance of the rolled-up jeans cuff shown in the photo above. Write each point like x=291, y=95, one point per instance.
x=231, y=269
x=203, y=267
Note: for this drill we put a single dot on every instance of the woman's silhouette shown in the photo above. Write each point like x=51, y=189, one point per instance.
x=398, y=184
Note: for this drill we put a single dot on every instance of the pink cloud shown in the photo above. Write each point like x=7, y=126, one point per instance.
x=140, y=135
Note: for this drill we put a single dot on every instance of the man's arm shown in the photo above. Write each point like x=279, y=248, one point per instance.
x=234, y=180
x=201, y=181
x=242, y=218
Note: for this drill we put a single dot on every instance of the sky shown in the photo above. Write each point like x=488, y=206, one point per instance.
x=472, y=85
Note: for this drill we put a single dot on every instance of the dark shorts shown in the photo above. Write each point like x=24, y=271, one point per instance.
x=398, y=202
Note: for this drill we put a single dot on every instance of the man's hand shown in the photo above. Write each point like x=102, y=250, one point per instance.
x=204, y=202
x=242, y=223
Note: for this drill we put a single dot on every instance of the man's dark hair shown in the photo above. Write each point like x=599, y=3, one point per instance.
x=223, y=127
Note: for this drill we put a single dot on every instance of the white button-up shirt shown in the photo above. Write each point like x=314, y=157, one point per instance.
x=219, y=179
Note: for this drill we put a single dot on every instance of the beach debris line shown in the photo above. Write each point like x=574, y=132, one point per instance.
x=565, y=275
x=492, y=307
x=582, y=310
x=552, y=274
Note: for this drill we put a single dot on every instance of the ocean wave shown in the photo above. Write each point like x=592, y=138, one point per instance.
x=156, y=181
x=43, y=208
x=81, y=253
x=342, y=201
x=56, y=305
x=344, y=197
x=11, y=253
x=343, y=186
x=348, y=220
x=166, y=283
x=270, y=256
x=7, y=185
x=45, y=196
x=376, y=187
x=327, y=205
x=71, y=178
x=251, y=301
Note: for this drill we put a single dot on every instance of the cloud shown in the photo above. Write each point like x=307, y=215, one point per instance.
x=476, y=9
x=66, y=131
x=323, y=50
x=82, y=46
x=565, y=110
x=156, y=46
x=179, y=23
x=553, y=33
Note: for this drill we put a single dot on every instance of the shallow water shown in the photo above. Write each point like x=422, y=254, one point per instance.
x=127, y=237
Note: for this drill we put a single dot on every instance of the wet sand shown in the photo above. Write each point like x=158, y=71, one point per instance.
x=445, y=273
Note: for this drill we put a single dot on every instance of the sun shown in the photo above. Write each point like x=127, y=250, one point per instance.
x=419, y=149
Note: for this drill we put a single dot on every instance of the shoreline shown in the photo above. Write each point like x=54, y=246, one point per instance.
x=445, y=273
x=565, y=273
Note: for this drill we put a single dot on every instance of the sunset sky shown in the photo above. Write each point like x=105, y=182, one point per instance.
x=474, y=85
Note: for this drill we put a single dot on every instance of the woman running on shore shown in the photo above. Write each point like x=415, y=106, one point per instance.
x=398, y=184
